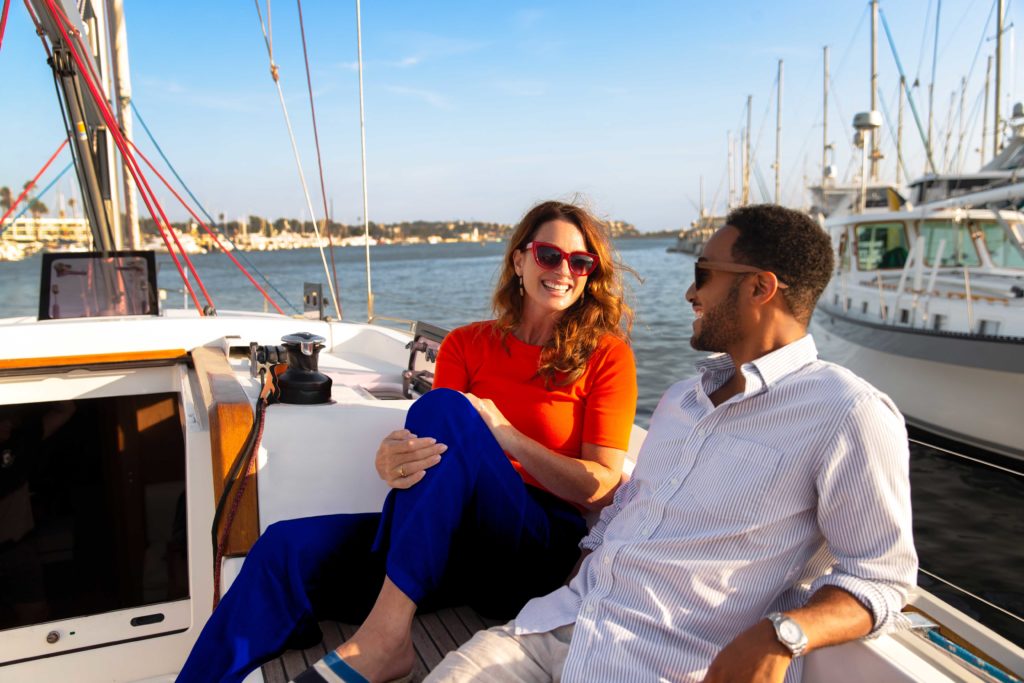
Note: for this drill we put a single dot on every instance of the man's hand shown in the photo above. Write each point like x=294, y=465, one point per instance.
x=403, y=458
x=754, y=656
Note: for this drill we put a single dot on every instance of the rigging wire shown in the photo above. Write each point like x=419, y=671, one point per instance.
x=32, y=183
x=148, y=197
x=3, y=21
x=362, y=139
x=924, y=41
x=892, y=133
x=202, y=209
x=28, y=207
x=910, y=96
x=319, y=160
x=275, y=74
x=207, y=229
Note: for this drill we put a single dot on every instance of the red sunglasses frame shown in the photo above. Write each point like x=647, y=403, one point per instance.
x=565, y=256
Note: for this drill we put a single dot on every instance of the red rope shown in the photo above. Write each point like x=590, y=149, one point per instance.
x=32, y=183
x=207, y=229
x=319, y=162
x=3, y=20
x=147, y=193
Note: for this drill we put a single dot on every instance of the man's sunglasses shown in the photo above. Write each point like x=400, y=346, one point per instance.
x=549, y=257
x=702, y=271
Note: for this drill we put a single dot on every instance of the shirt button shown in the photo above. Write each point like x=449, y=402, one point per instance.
x=590, y=609
x=673, y=482
x=607, y=560
x=647, y=531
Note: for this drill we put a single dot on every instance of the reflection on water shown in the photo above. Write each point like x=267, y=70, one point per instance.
x=967, y=518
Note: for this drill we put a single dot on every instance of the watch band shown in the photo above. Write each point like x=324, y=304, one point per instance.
x=789, y=633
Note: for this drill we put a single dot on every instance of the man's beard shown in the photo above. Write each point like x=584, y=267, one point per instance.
x=719, y=327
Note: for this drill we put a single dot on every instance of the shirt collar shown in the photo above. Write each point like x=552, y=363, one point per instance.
x=761, y=372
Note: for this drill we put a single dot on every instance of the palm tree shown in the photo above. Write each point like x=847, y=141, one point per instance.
x=37, y=208
x=5, y=198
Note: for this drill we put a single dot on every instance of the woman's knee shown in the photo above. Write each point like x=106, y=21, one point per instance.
x=437, y=408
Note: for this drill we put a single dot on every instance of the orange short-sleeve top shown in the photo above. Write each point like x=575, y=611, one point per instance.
x=598, y=408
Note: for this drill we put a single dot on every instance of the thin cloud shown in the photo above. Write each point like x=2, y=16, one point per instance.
x=161, y=88
x=523, y=88
x=432, y=98
x=528, y=18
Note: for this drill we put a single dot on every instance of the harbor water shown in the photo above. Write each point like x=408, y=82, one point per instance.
x=967, y=515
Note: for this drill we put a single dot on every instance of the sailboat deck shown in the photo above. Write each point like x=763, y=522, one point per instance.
x=434, y=634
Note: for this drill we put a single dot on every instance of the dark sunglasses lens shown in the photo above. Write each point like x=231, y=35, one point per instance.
x=548, y=257
x=700, y=276
x=581, y=264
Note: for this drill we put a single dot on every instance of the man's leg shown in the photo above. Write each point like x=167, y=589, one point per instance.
x=497, y=655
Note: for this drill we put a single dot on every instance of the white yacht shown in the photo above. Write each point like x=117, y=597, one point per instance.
x=927, y=303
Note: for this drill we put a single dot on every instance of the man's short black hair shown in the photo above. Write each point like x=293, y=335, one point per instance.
x=791, y=245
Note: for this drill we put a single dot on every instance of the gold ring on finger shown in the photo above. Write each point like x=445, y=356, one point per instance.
x=401, y=471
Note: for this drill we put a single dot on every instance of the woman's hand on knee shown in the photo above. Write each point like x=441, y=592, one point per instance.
x=403, y=458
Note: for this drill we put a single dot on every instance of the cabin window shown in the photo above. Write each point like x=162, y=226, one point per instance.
x=989, y=327
x=881, y=245
x=957, y=249
x=904, y=316
x=92, y=507
x=864, y=307
x=1003, y=248
x=938, y=322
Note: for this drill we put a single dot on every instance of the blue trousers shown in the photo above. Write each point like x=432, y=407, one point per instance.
x=470, y=532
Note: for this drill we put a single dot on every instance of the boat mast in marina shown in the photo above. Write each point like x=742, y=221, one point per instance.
x=778, y=139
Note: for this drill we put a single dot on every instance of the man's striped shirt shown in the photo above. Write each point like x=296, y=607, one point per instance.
x=732, y=511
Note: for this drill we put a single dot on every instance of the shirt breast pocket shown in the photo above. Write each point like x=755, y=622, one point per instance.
x=732, y=478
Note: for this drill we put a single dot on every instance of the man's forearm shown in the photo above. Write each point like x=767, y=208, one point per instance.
x=832, y=616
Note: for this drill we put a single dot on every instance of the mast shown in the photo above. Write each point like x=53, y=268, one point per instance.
x=731, y=164
x=824, y=127
x=960, y=117
x=931, y=85
x=876, y=155
x=92, y=146
x=700, y=209
x=999, y=79
x=984, y=118
x=899, y=131
x=778, y=139
x=745, y=198
x=123, y=88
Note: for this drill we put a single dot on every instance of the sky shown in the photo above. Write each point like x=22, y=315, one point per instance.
x=475, y=110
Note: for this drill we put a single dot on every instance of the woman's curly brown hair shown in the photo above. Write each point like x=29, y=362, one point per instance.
x=601, y=309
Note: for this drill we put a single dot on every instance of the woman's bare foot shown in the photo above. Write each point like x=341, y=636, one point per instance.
x=381, y=650
x=378, y=656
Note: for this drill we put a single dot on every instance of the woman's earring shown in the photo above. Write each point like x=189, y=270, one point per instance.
x=522, y=292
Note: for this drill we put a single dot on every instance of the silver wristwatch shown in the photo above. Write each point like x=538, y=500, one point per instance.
x=789, y=633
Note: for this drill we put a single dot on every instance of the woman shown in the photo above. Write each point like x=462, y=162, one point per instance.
x=527, y=427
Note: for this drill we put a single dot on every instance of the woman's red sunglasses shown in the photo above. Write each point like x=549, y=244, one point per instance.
x=548, y=256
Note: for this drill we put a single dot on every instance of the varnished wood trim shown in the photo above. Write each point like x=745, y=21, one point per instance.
x=92, y=359
x=231, y=416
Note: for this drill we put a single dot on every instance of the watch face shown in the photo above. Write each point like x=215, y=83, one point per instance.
x=789, y=631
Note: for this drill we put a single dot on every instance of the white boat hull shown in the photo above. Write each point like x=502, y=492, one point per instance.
x=931, y=392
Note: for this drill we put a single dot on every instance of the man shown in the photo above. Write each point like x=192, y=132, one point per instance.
x=769, y=511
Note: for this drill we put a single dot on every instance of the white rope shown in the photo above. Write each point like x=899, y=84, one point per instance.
x=295, y=151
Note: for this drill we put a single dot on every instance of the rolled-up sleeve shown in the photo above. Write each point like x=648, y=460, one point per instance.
x=864, y=511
